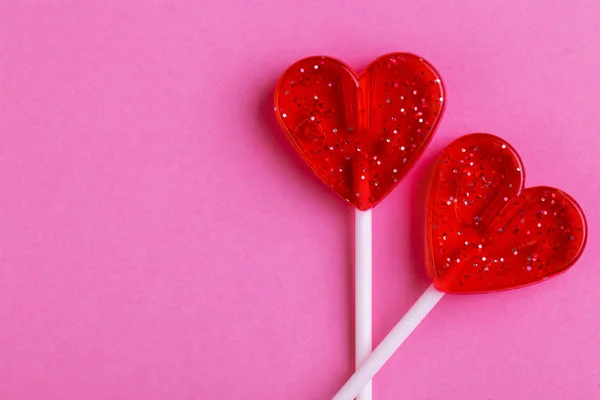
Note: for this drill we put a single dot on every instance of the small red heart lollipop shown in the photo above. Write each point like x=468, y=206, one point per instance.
x=485, y=231
x=360, y=133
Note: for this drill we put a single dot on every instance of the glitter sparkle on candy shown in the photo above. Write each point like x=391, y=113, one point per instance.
x=362, y=133
x=505, y=236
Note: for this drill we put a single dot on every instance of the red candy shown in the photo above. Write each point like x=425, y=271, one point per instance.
x=485, y=231
x=360, y=134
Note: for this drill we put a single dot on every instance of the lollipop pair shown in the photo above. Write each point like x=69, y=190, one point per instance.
x=484, y=231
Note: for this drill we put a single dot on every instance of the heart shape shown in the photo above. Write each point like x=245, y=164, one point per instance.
x=362, y=133
x=485, y=231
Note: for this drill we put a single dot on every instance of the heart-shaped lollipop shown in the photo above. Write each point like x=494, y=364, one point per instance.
x=486, y=232
x=360, y=133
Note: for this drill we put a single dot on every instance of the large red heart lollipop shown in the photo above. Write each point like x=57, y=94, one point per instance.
x=360, y=134
x=486, y=232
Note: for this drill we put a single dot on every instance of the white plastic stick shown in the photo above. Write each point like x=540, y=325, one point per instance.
x=362, y=280
x=390, y=344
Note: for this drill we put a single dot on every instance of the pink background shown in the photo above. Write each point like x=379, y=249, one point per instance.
x=161, y=240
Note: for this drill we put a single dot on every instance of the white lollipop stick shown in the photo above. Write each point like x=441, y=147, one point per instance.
x=363, y=297
x=390, y=344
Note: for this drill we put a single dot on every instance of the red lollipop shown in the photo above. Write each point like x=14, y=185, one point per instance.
x=361, y=134
x=485, y=232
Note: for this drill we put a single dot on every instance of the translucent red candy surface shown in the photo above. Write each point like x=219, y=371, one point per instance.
x=485, y=231
x=360, y=134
